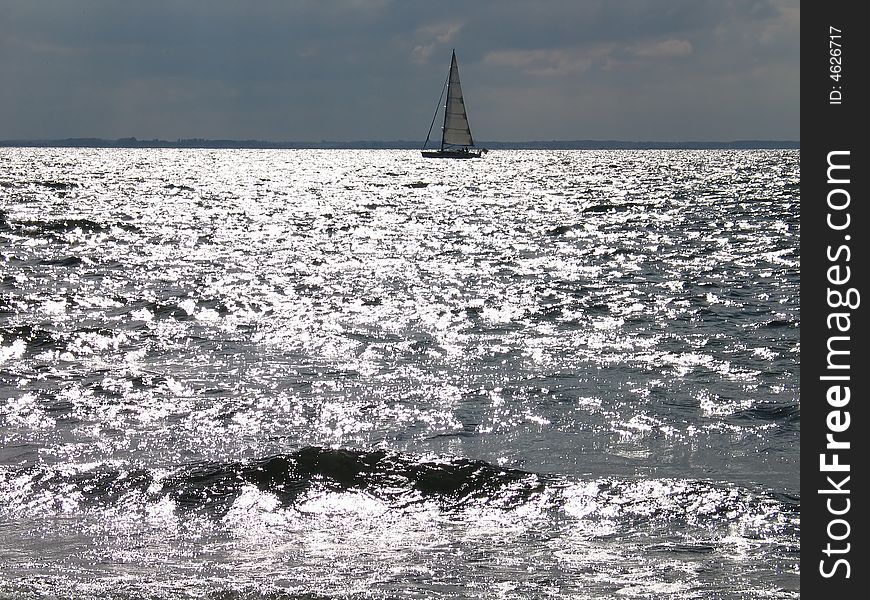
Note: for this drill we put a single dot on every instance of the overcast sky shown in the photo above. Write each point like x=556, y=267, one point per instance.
x=283, y=70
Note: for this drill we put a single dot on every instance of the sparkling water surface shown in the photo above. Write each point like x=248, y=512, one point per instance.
x=362, y=374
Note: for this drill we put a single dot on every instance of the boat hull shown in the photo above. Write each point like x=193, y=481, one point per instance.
x=451, y=154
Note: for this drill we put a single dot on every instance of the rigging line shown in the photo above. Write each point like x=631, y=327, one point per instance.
x=437, y=106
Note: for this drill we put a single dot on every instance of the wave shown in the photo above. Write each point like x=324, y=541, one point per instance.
x=67, y=261
x=778, y=323
x=56, y=227
x=560, y=230
x=168, y=309
x=397, y=480
x=179, y=187
x=788, y=413
x=35, y=338
x=57, y=185
x=66, y=225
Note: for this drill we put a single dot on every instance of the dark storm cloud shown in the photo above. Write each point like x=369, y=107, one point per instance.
x=345, y=69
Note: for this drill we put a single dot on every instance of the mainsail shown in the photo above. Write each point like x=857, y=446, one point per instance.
x=456, y=130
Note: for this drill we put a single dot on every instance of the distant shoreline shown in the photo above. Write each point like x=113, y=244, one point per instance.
x=132, y=142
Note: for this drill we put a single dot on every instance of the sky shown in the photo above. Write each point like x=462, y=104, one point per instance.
x=345, y=70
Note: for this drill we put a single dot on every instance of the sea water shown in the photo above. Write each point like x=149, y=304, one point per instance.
x=363, y=374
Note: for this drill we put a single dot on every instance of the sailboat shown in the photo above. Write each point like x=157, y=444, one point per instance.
x=456, y=140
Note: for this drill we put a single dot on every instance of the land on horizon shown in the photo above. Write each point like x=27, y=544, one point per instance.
x=132, y=142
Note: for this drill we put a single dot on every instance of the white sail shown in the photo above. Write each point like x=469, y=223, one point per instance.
x=456, y=130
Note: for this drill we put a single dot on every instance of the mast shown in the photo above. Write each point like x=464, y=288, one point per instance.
x=447, y=102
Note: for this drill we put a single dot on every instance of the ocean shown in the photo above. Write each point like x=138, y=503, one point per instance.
x=276, y=374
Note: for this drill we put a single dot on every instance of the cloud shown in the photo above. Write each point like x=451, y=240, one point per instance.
x=544, y=62
x=443, y=33
x=421, y=54
x=440, y=34
x=663, y=49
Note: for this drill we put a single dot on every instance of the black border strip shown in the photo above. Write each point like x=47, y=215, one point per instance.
x=834, y=233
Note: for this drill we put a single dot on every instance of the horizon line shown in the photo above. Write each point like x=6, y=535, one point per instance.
x=218, y=143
